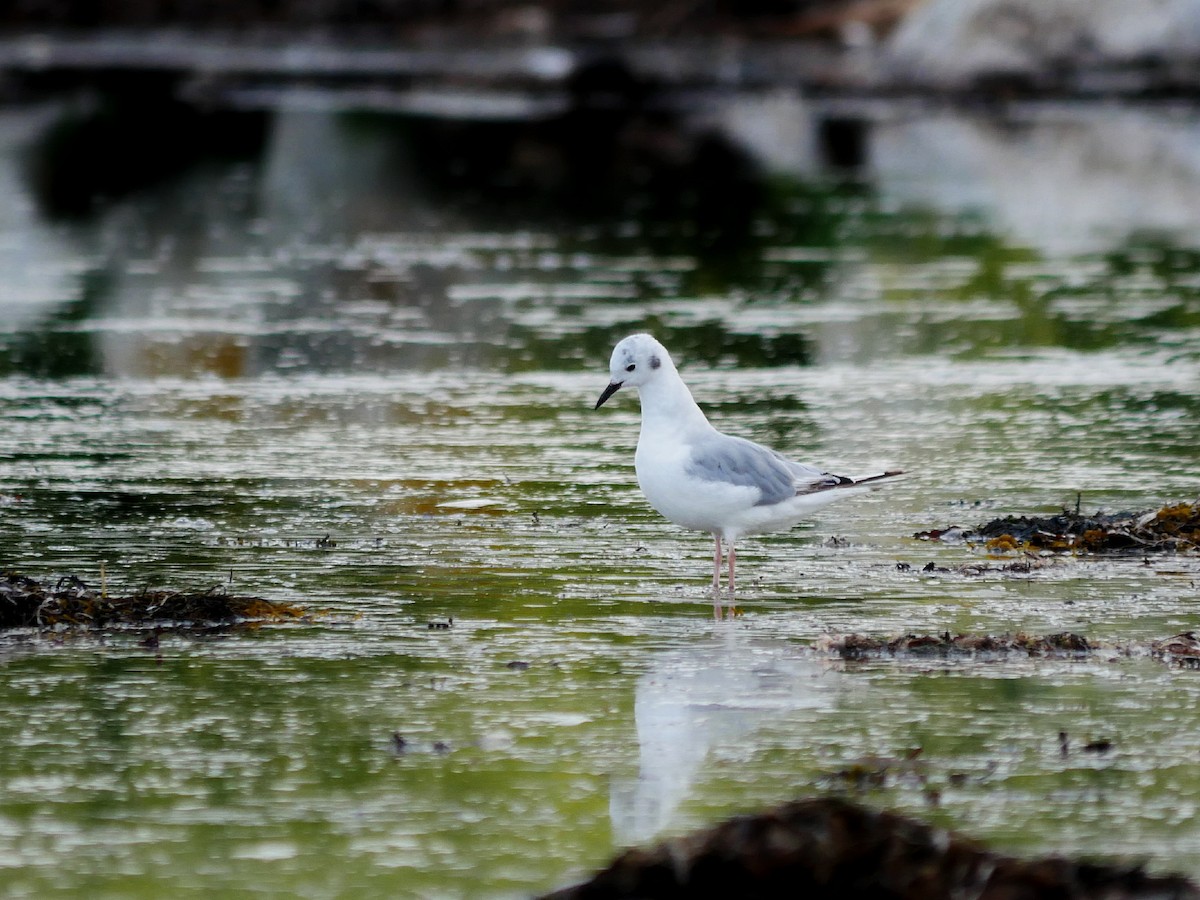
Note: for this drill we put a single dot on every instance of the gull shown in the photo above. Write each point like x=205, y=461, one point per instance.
x=704, y=480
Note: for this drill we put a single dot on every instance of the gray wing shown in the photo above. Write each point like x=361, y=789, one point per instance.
x=720, y=457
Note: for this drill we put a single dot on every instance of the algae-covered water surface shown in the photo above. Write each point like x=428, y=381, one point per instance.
x=366, y=389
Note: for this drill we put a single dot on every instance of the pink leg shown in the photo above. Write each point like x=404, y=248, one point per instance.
x=716, y=563
x=732, y=559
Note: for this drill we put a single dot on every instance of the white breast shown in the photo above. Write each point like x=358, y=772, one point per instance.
x=661, y=464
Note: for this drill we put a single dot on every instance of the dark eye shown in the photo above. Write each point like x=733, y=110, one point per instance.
x=630, y=367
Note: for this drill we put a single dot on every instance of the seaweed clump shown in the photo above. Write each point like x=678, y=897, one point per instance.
x=859, y=646
x=1181, y=650
x=1174, y=528
x=72, y=603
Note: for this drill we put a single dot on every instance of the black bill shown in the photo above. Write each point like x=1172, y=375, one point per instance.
x=608, y=392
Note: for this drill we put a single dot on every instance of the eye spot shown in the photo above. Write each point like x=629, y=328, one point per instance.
x=630, y=367
x=655, y=362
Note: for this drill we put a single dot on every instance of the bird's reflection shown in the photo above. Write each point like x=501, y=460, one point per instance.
x=699, y=699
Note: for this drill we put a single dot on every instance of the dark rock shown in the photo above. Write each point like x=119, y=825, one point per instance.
x=831, y=848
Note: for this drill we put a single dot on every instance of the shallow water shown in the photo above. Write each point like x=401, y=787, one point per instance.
x=335, y=386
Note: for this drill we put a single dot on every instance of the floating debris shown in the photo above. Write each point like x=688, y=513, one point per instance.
x=1099, y=747
x=72, y=603
x=877, y=771
x=977, y=569
x=402, y=746
x=1020, y=567
x=828, y=847
x=1170, y=529
x=858, y=646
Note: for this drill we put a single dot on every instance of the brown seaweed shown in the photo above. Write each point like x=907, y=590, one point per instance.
x=1182, y=650
x=1174, y=528
x=72, y=603
x=857, y=646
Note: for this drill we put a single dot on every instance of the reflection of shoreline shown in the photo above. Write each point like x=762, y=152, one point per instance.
x=1062, y=180
x=34, y=281
x=340, y=249
x=696, y=700
x=1059, y=178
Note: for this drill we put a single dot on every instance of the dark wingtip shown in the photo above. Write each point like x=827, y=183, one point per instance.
x=890, y=473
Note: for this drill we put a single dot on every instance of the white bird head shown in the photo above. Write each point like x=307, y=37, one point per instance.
x=636, y=360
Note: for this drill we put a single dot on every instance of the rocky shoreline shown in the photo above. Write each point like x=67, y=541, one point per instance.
x=943, y=49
